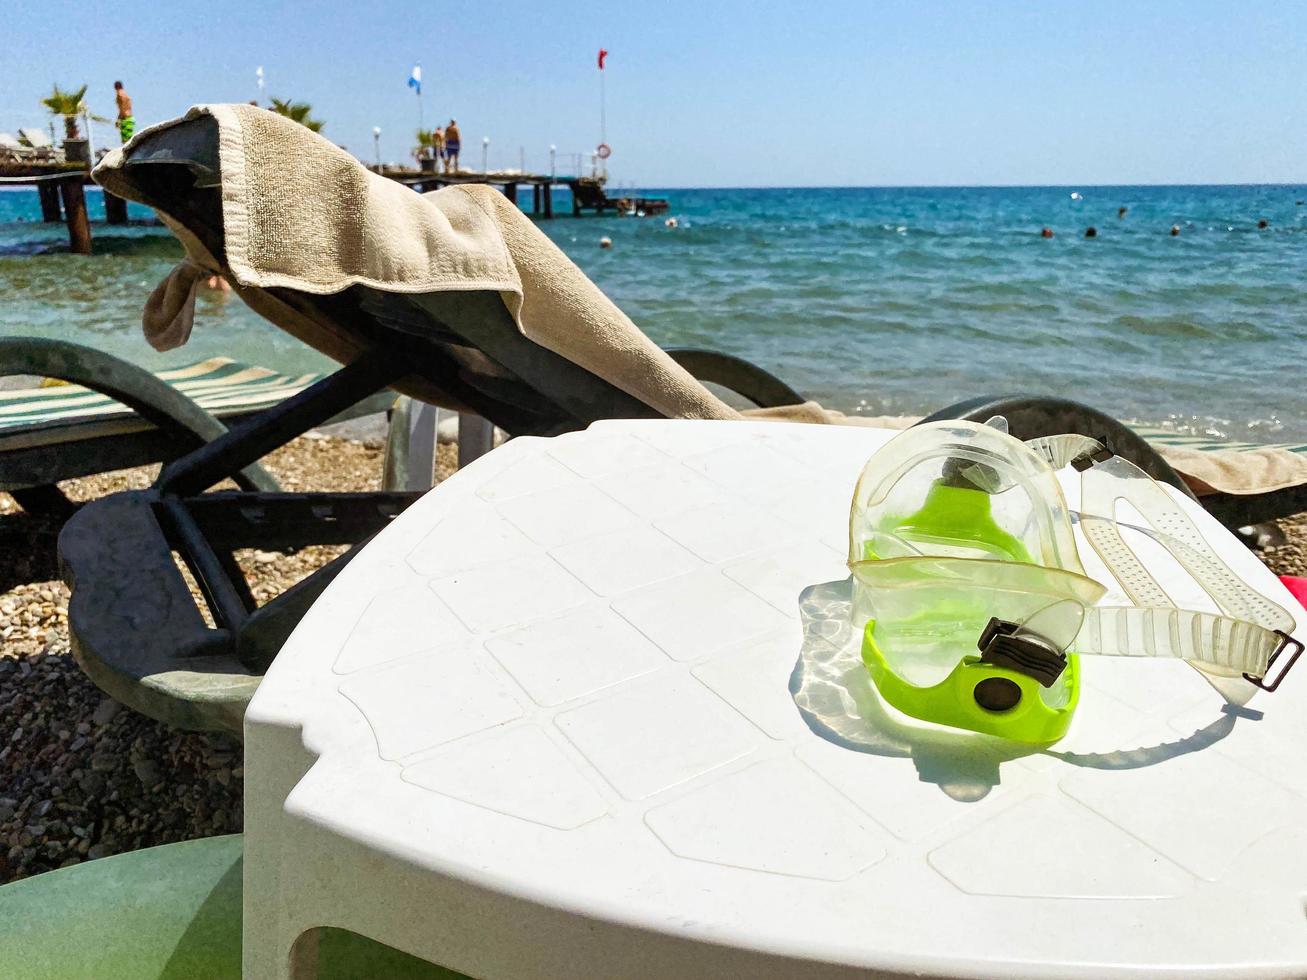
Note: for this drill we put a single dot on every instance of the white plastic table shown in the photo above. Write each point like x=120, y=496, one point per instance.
x=587, y=710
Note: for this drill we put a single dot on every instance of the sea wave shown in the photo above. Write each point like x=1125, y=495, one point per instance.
x=883, y=300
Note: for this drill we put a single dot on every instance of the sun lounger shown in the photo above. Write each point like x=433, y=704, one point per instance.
x=37, y=138
x=10, y=147
x=34, y=146
x=453, y=298
x=121, y=416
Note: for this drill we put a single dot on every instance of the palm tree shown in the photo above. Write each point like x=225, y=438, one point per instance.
x=299, y=112
x=426, y=145
x=68, y=104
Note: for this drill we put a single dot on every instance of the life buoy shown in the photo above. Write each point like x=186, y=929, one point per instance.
x=603, y=151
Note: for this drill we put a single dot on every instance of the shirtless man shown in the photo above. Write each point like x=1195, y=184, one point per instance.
x=126, y=121
x=452, y=143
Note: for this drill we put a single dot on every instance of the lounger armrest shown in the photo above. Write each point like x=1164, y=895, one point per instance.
x=736, y=374
x=1030, y=417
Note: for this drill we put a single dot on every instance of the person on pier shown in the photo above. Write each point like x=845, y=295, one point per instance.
x=126, y=121
x=438, y=145
x=452, y=143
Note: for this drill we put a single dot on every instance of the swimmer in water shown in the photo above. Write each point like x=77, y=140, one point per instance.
x=1091, y=232
x=1263, y=223
x=1121, y=211
x=670, y=223
x=1175, y=231
x=1046, y=233
x=605, y=242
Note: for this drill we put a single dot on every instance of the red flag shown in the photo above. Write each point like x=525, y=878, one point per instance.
x=602, y=55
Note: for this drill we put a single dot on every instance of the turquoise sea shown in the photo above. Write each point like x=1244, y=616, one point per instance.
x=873, y=300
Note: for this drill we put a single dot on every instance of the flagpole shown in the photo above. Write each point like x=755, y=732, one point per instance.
x=603, y=109
x=603, y=115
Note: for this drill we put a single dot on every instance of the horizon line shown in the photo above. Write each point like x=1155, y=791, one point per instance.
x=888, y=187
x=942, y=186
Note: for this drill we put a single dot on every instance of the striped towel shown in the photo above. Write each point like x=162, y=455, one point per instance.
x=1168, y=437
x=219, y=385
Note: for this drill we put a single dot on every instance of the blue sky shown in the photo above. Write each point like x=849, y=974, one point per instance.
x=728, y=93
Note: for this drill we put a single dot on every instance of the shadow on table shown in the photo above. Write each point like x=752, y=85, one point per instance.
x=835, y=695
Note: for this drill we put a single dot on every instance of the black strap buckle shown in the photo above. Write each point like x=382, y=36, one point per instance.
x=1286, y=642
x=1028, y=653
x=1092, y=456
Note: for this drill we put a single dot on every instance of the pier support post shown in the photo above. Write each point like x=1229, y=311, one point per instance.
x=49, y=193
x=576, y=203
x=535, y=198
x=115, y=209
x=510, y=192
x=549, y=200
x=79, y=225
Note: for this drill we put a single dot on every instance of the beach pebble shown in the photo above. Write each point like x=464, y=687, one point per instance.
x=147, y=771
x=106, y=711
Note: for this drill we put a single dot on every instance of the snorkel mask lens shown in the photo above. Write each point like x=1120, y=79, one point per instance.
x=967, y=584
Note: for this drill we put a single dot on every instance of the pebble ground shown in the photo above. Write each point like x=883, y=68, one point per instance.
x=82, y=777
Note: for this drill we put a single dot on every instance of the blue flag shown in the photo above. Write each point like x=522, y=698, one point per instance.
x=415, y=79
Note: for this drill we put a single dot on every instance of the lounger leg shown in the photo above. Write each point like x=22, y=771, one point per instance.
x=422, y=447
x=410, y=462
x=476, y=437
x=44, y=501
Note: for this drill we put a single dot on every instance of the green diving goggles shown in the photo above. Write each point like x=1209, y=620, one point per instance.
x=974, y=605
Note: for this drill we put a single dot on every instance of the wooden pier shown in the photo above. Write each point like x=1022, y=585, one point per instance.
x=61, y=187
x=587, y=192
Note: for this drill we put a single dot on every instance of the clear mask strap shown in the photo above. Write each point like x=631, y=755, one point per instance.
x=1243, y=639
x=1221, y=644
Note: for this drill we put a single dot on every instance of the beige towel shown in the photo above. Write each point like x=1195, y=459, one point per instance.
x=1237, y=471
x=300, y=213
